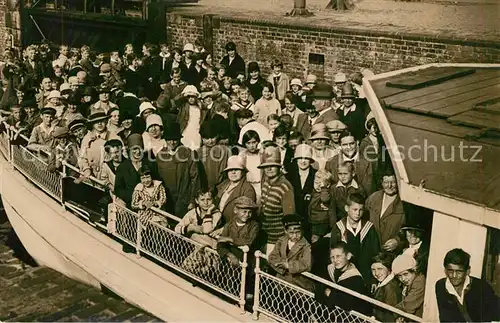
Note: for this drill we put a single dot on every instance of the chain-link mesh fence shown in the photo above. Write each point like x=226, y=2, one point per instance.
x=189, y=257
x=37, y=171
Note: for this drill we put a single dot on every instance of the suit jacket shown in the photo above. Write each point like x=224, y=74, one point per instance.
x=389, y=224
x=302, y=195
x=298, y=259
x=326, y=117
x=236, y=67
x=242, y=189
x=363, y=169
x=304, y=127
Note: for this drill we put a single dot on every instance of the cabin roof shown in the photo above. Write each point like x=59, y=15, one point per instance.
x=432, y=113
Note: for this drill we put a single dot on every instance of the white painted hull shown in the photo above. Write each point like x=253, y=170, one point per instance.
x=59, y=240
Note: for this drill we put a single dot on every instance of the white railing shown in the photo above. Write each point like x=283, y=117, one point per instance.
x=286, y=302
x=189, y=257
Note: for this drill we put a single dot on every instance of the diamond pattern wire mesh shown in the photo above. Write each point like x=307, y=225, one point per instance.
x=4, y=144
x=37, y=171
x=189, y=257
x=289, y=303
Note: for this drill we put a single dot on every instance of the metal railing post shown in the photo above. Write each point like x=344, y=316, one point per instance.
x=256, y=296
x=244, y=267
x=63, y=175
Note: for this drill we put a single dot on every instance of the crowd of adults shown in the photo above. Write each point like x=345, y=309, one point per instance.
x=295, y=168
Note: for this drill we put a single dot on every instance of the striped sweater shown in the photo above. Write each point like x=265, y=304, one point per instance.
x=276, y=201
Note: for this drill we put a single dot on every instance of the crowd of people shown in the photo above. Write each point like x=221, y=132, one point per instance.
x=295, y=168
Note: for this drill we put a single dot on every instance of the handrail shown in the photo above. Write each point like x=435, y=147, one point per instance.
x=354, y=293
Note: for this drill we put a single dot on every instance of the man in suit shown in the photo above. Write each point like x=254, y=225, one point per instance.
x=349, y=151
x=318, y=107
x=386, y=212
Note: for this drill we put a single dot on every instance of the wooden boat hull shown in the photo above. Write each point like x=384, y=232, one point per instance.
x=58, y=239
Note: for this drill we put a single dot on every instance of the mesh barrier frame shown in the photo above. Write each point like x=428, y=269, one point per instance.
x=5, y=144
x=166, y=253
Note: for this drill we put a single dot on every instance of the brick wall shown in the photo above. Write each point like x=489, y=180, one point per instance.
x=342, y=49
x=9, y=27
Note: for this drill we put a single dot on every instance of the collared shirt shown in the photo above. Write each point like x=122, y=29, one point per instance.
x=353, y=231
x=450, y=289
x=386, y=201
x=354, y=158
x=352, y=184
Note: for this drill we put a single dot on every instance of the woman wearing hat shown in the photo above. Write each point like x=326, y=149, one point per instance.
x=335, y=128
x=416, y=244
x=405, y=269
x=277, y=197
x=153, y=136
x=369, y=147
x=235, y=186
x=319, y=141
x=103, y=103
x=93, y=144
x=292, y=254
x=41, y=138
x=71, y=112
x=190, y=118
x=54, y=101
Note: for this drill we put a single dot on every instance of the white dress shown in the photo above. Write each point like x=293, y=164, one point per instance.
x=191, y=136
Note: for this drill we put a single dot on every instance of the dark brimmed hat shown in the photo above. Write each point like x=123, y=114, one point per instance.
x=60, y=132
x=135, y=140
x=113, y=143
x=347, y=91
x=322, y=91
x=48, y=110
x=244, y=202
x=414, y=226
x=292, y=220
x=172, y=132
x=77, y=123
x=271, y=156
x=97, y=116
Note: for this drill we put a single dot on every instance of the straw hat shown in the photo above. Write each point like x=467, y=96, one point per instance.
x=65, y=87
x=191, y=90
x=60, y=132
x=145, y=106
x=153, y=119
x=340, y=78
x=296, y=82
x=244, y=202
x=303, y=151
x=403, y=262
x=54, y=95
x=319, y=131
x=235, y=162
x=336, y=125
x=271, y=156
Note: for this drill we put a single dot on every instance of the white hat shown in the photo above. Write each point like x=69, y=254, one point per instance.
x=64, y=87
x=296, y=82
x=153, y=119
x=188, y=48
x=340, y=78
x=54, y=94
x=191, y=90
x=145, y=106
x=73, y=80
x=303, y=151
x=368, y=117
x=403, y=262
x=235, y=162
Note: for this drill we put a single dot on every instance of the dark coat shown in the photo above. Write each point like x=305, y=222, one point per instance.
x=256, y=88
x=242, y=189
x=304, y=127
x=183, y=116
x=298, y=259
x=389, y=294
x=236, y=67
x=302, y=195
x=389, y=224
x=355, y=122
x=242, y=236
x=213, y=161
x=127, y=178
x=480, y=302
x=363, y=169
x=187, y=176
x=413, y=302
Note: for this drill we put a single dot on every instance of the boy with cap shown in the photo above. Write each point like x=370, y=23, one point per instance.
x=292, y=254
x=41, y=138
x=242, y=230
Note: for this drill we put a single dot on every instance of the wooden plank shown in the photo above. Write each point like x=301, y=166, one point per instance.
x=477, y=119
x=382, y=91
x=454, y=109
x=455, y=99
x=421, y=81
x=427, y=123
x=479, y=76
x=441, y=97
x=490, y=106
